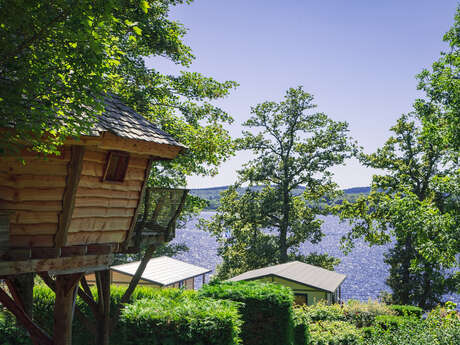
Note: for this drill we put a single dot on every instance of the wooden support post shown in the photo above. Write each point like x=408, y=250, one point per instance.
x=63, y=308
x=103, y=291
x=204, y=279
x=39, y=337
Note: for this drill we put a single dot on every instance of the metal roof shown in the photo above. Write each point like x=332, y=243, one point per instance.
x=163, y=270
x=124, y=122
x=298, y=272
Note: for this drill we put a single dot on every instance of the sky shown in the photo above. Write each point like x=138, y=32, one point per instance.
x=359, y=58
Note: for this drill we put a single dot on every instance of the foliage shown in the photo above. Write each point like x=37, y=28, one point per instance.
x=58, y=58
x=9, y=333
x=163, y=320
x=391, y=322
x=301, y=327
x=407, y=310
x=320, y=311
x=266, y=310
x=358, y=313
x=406, y=204
x=174, y=313
x=442, y=327
x=334, y=333
x=293, y=147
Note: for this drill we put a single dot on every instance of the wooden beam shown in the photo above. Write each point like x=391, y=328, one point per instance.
x=68, y=203
x=36, y=333
x=64, y=306
x=129, y=234
x=110, y=141
x=82, y=263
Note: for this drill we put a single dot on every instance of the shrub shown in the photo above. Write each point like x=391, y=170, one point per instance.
x=172, y=314
x=442, y=327
x=266, y=310
x=334, y=333
x=390, y=322
x=301, y=326
x=407, y=310
x=181, y=320
x=322, y=312
x=363, y=314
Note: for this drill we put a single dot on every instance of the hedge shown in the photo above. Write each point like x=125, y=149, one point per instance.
x=390, y=322
x=301, y=326
x=266, y=310
x=185, y=321
x=407, y=310
x=153, y=316
x=334, y=333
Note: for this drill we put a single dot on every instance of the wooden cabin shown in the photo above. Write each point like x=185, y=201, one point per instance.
x=160, y=272
x=68, y=213
x=309, y=283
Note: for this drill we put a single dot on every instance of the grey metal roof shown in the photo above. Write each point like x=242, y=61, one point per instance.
x=298, y=272
x=163, y=270
x=124, y=122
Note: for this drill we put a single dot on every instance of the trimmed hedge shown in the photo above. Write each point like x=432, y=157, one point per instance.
x=407, y=310
x=301, y=327
x=266, y=310
x=185, y=321
x=152, y=317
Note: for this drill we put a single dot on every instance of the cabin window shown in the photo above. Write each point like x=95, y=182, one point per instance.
x=116, y=166
x=301, y=298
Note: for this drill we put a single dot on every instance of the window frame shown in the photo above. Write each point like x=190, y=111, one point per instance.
x=110, y=156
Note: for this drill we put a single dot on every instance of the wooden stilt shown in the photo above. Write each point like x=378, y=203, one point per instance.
x=103, y=290
x=39, y=337
x=63, y=308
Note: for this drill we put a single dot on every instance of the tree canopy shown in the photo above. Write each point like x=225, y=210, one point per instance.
x=293, y=146
x=57, y=59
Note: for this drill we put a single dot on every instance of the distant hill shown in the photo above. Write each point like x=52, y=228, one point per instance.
x=212, y=194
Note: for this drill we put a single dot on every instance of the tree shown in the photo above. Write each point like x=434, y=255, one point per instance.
x=406, y=204
x=57, y=60
x=292, y=148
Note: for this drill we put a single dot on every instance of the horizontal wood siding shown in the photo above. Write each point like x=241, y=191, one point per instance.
x=104, y=210
x=33, y=190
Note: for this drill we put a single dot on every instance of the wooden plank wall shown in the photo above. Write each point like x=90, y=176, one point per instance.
x=34, y=192
x=104, y=210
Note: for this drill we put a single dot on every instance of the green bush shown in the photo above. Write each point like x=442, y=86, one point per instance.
x=390, y=322
x=266, y=310
x=174, y=316
x=441, y=327
x=407, y=310
x=362, y=314
x=322, y=312
x=301, y=326
x=334, y=333
x=181, y=320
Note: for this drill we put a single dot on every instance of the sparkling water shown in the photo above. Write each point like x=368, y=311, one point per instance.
x=366, y=272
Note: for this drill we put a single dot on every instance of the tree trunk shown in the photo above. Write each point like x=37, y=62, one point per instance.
x=284, y=225
x=103, y=319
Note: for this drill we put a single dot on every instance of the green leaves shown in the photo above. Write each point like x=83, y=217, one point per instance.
x=293, y=147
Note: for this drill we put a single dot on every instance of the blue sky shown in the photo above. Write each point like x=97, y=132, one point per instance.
x=358, y=58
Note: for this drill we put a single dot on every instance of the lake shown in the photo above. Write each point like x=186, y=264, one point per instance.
x=366, y=272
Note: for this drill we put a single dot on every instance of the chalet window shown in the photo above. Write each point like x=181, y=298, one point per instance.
x=116, y=166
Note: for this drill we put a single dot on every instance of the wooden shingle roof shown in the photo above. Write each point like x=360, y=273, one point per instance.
x=298, y=272
x=124, y=122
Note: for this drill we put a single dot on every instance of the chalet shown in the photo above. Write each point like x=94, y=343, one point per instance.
x=65, y=216
x=161, y=272
x=309, y=283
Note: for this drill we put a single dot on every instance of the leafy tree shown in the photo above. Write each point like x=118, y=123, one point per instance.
x=292, y=148
x=58, y=58
x=406, y=203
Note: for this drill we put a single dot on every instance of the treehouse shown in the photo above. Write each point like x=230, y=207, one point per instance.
x=67, y=214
